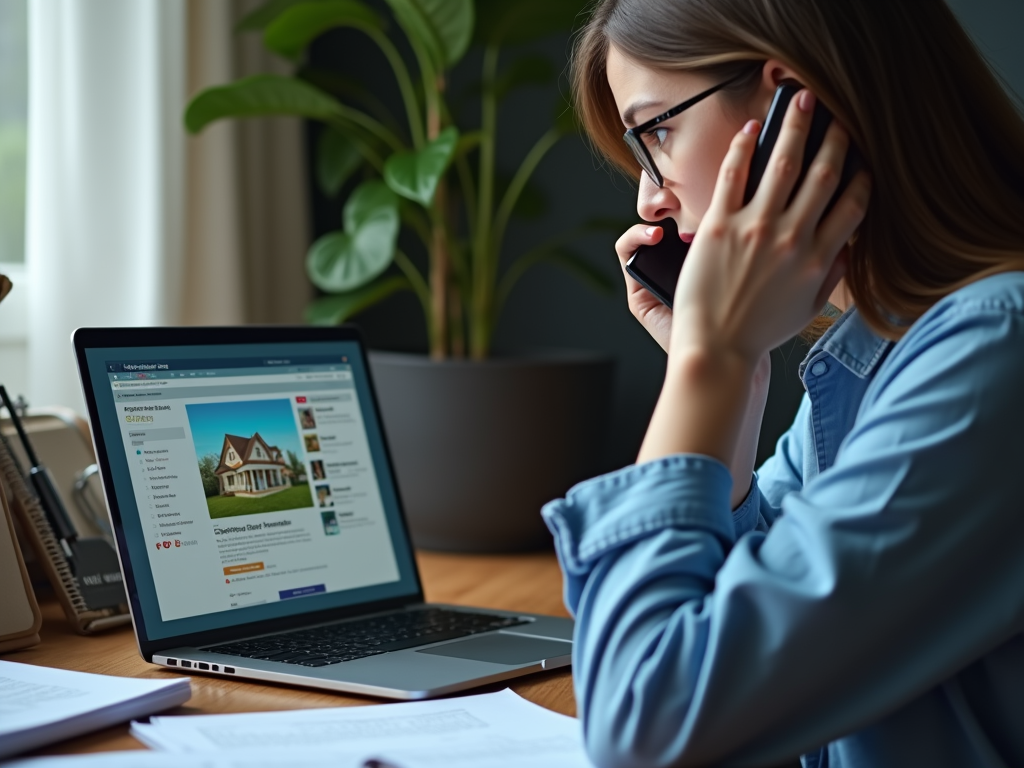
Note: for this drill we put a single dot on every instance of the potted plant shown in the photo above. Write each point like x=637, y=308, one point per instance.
x=478, y=443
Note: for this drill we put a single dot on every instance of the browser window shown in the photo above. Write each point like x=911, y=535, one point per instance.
x=254, y=481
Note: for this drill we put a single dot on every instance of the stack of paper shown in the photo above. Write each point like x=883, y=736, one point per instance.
x=492, y=730
x=485, y=731
x=40, y=705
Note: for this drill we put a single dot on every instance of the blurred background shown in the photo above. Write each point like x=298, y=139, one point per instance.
x=110, y=214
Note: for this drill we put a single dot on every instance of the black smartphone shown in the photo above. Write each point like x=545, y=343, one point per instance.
x=657, y=267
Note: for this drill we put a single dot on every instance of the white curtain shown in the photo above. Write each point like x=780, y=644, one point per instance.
x=130, y=221
x=105, y=175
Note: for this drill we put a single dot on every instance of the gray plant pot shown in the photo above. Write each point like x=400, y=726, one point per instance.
x=479, y=447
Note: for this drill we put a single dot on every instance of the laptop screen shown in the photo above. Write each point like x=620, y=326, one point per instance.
x=251, y=481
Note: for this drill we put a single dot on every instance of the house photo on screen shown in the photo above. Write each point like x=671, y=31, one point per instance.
x=248, y=457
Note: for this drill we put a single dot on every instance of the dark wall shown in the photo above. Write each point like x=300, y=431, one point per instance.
x=550, y=308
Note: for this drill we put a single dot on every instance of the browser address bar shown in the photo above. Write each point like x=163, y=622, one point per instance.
x=225, y=381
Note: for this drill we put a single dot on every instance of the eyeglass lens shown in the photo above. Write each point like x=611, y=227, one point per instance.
x=643, y=157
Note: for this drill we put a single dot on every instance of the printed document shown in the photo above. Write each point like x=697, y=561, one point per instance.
x=40, y=705
x=489, y=730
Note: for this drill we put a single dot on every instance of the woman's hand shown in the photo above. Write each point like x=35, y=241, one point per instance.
x=754, y=276
x=757, y=274
x=652, y=314
x=657, y=319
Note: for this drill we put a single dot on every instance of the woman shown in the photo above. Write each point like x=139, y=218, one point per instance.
x=860, y=598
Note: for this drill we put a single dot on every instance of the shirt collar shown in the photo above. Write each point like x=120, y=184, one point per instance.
x=852, y=343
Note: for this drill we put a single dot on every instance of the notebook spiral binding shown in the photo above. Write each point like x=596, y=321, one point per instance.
x=50, y=553
x=33, y=512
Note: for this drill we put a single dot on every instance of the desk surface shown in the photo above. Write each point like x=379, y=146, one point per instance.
x=530, y=582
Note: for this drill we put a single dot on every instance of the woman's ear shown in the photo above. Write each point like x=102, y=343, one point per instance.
x=773, y=74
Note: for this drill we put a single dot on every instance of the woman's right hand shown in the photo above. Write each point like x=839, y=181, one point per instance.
x=652, y=314
x=657, y=319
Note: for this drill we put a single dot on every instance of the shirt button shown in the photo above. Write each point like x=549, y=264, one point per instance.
x=819, y=368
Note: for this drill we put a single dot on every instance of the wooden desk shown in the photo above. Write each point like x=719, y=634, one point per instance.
x=529, y=582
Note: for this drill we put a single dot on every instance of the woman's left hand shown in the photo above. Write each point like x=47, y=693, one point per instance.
x=757, y=274
x=754, y=277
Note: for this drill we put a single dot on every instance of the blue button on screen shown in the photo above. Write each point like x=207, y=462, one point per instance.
x=302, y=591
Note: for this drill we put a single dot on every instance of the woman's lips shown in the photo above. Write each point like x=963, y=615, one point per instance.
x=687, y=237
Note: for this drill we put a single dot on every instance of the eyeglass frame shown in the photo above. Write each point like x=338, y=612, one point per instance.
x=635, y=142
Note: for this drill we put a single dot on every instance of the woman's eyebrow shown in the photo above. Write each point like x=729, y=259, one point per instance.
x=629, y=116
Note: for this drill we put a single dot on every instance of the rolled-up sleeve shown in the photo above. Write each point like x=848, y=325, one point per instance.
x=701, y=640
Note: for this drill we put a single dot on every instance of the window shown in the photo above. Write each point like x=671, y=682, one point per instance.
x=13, y=128
x=13, y=144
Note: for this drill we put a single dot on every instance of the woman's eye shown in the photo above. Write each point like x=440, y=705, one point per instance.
x=657, y=136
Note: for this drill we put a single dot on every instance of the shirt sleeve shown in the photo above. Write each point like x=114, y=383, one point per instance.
x=881, y=578
x=781, y=473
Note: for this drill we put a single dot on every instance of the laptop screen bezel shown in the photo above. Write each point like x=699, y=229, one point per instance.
x=89, y=338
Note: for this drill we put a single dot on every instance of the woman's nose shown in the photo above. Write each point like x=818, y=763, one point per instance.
x=655, y=203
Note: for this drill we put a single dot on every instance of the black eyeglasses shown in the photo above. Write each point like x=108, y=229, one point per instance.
x=634, y=136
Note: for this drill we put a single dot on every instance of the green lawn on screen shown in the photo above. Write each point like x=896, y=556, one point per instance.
x=296, y=497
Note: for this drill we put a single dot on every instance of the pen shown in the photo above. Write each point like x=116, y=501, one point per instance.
x=43, y=483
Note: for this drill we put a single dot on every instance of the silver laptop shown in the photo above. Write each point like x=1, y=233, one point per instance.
x=258, y=521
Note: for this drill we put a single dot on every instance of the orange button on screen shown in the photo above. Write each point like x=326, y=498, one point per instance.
x=244, y=568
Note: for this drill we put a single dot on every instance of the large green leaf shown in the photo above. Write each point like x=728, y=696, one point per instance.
x=415, y=175
x=258, y=96
x=349, y=259
x=337, y=158
x=261, y=16
x=331, y=310
x=519, y=21
x=444, y=28
x=452, y=22
x=295, y=28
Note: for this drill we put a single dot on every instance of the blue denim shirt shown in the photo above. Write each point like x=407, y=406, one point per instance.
x=865, y=603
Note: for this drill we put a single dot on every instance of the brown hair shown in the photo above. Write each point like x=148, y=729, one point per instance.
x=942, y=139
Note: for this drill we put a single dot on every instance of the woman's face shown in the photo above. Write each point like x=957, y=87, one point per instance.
x=689, y=148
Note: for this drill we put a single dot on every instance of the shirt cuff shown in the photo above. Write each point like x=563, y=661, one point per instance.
x=745, y=516
x=608, y=512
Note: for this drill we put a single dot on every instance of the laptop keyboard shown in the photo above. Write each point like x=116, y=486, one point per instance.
x=335, y=643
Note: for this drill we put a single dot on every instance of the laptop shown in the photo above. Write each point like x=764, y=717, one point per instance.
x=258, y=521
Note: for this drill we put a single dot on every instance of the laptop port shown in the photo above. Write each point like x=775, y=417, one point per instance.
x=216, y=668
x=229, y=670
x=186, y=663
x=172, y=662
x=203, y=665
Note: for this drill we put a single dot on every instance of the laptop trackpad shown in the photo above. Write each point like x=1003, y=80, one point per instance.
x=503, y=649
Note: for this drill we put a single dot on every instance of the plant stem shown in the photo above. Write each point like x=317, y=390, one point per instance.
x=412, y=215
x=456, y=321
x=483, y=279
x=412, y=107
x=368, y=153
x=363, y=120
x=468, y=193
x=516, y=186
x=439, y=267
x=419, y=285
x=439, y=276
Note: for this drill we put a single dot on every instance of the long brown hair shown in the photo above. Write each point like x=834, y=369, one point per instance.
x=943, y=140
